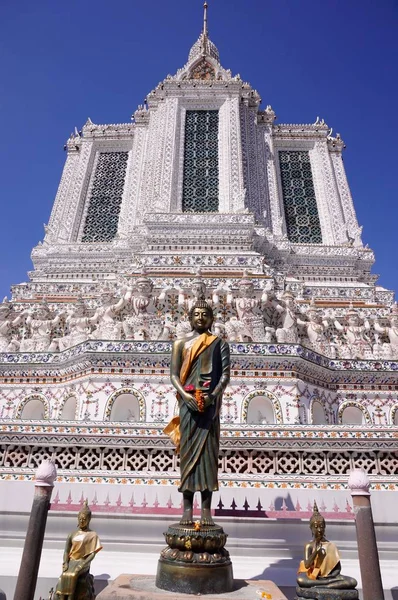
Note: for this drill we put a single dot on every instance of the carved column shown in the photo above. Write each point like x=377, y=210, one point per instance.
x=336, y=146
x=73, y=148
x=151, y=183
x=134, y=176
x=330, y=204
x=323, y=195
x=263, y=201
x=231, y=183
x=169, y=154
x=159, y=160
x=224, y=158
x=277, y=216
x=253, y=163
x=76, y=192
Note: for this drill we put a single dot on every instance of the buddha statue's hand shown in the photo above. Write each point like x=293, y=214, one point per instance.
x=208, y=400
x=65, y=566
x=190, y=402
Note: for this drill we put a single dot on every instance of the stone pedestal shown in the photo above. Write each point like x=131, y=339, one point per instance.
x=142, y=587
x=325, y=593
x=195, y=561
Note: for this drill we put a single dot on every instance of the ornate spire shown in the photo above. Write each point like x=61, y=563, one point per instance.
x=204, y=46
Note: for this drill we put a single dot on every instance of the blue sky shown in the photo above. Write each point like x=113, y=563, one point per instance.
x=61, y=62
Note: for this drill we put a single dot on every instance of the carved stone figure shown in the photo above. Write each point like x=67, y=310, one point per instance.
x=236, y=330
x=197, y=292
x=316, y=328
x=76, y=582
x=41, y=326
x=248, y=326
x=141, y=321
x=9, y=320
x=165, y=304
x=357, y=343
x=286, y=307
x=109, y=327
x=320, y=571
x=79, y=325
x=200, y=371
x=187, y=299
x=391, y=349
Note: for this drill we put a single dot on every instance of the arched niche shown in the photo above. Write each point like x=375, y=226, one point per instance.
x=126, y=405
x=33, y=409
x=259, y=409
x=68, y=412
x=318, y=413
x=352, y=413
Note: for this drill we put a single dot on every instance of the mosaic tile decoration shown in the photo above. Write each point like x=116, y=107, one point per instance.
x=289, y=483
x=274, y=458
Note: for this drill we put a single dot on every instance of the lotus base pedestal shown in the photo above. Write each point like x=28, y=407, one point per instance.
x=195, y=561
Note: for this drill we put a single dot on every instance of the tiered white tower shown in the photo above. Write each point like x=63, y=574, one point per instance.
x=276, y=193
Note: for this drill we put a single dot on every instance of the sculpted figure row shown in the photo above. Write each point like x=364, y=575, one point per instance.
x=247, y=316
x=350, y=337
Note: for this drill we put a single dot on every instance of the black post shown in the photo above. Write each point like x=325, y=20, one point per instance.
x=372, y=585
x=27, y=576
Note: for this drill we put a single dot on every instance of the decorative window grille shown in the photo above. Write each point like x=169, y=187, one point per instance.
x=106, y=197
x=200, y=180
x=301, y=210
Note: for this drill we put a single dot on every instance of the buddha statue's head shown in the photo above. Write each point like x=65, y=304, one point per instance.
x=84, y=516
x=201, y=316
x=317, y=524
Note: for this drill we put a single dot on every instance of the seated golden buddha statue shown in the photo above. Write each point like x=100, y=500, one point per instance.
x=75, y=582
x=321, y=567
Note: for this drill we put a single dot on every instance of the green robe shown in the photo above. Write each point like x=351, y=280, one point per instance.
x=200, y=432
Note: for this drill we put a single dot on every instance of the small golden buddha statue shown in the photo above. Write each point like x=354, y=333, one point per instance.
x=321, y=566
x=75, y=582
